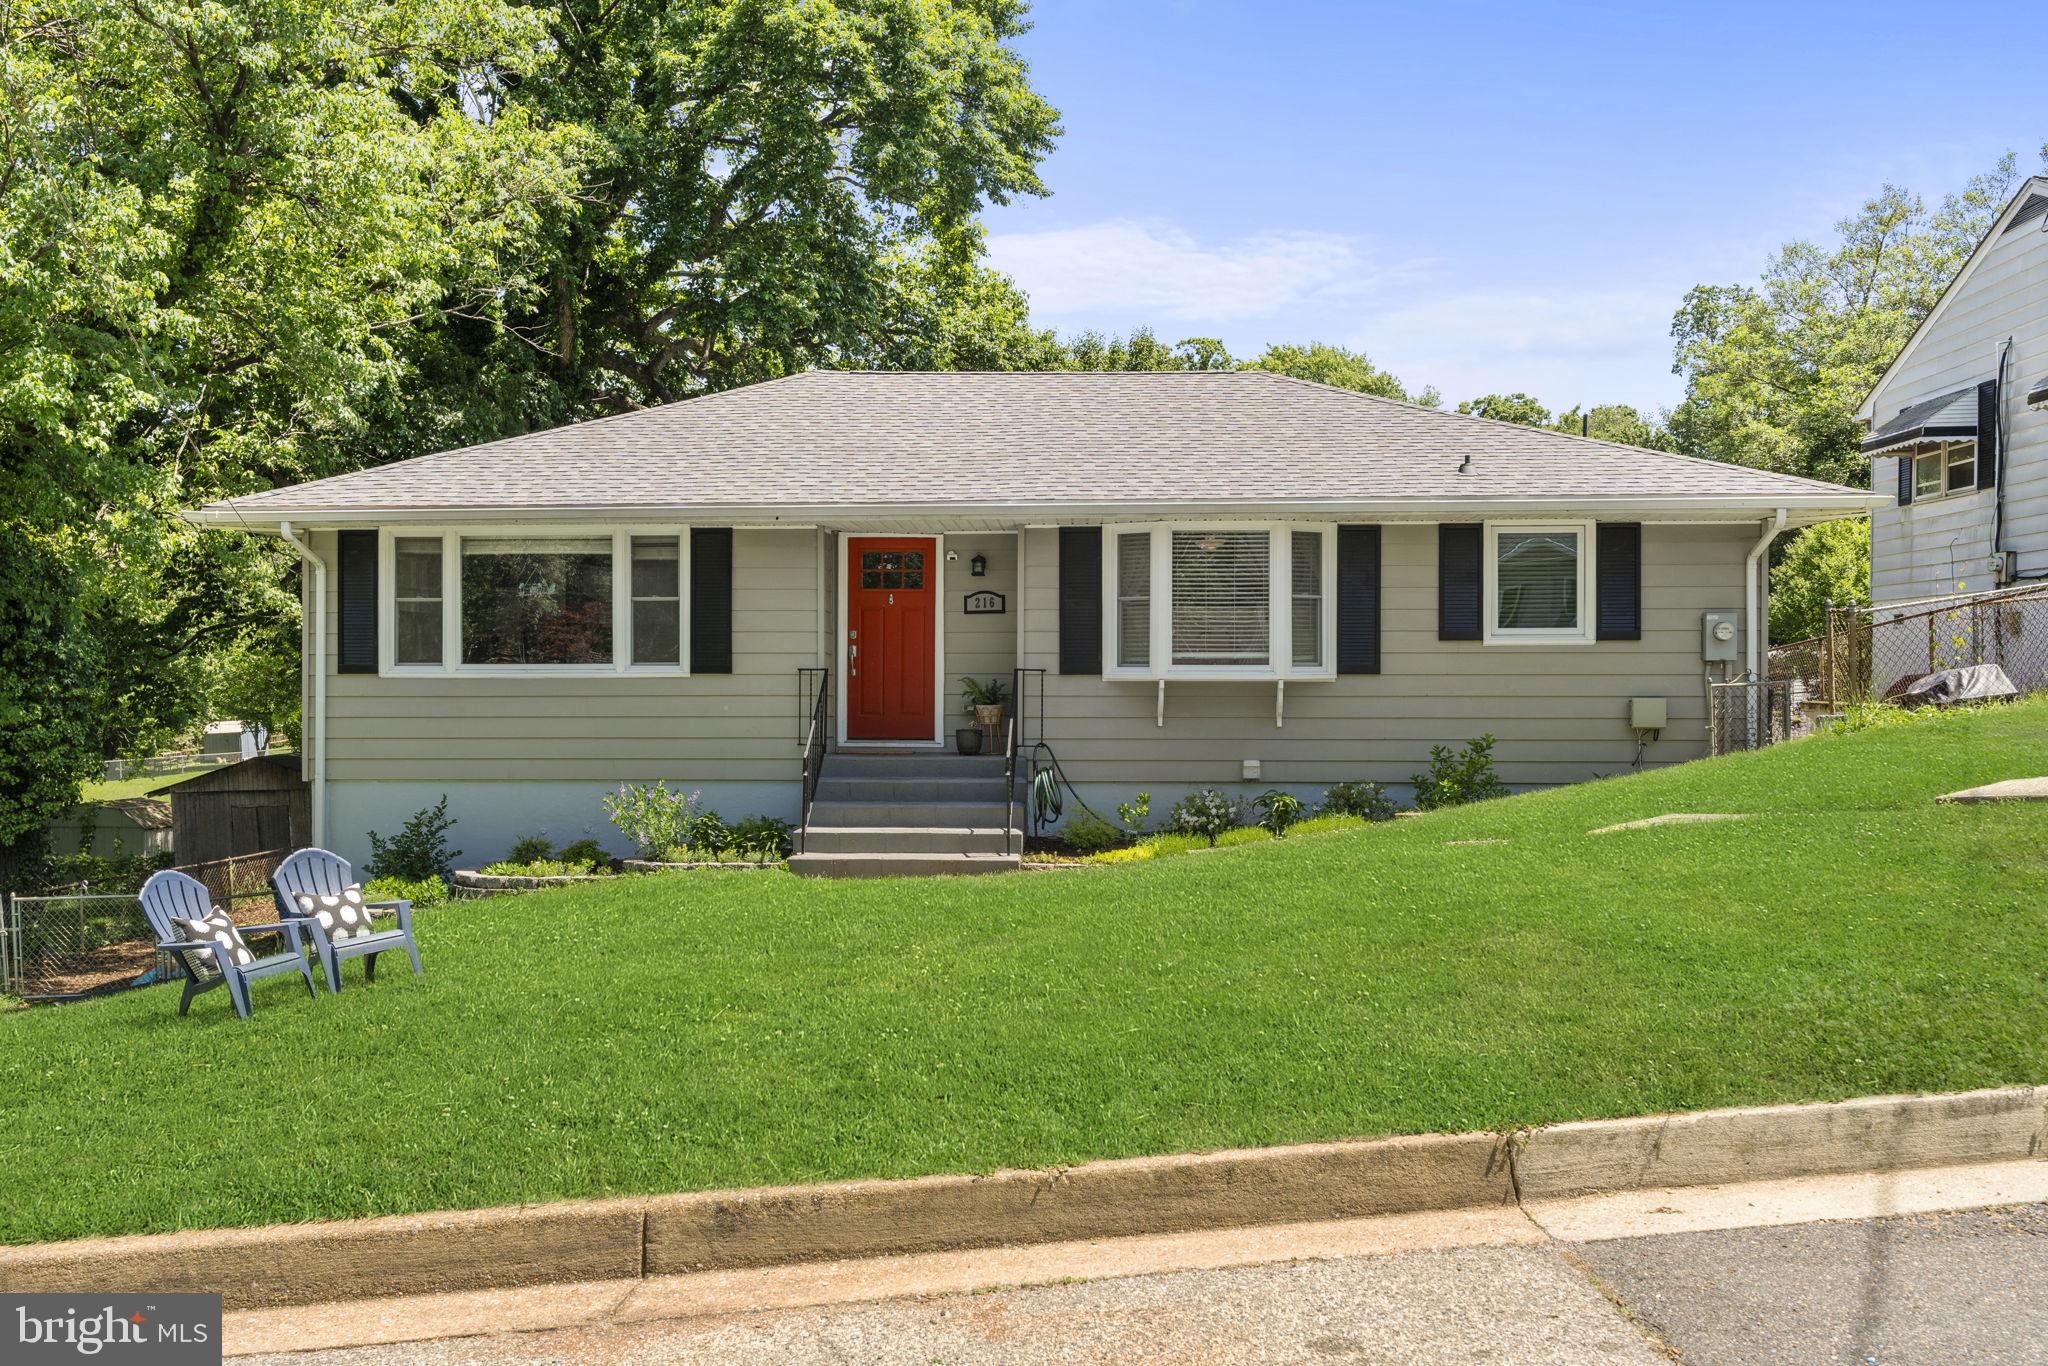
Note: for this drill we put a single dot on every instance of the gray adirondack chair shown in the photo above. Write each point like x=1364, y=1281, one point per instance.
x=315, y=873
x=171, y=893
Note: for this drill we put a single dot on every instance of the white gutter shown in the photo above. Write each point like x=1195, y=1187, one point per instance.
x=1812, y=507
x=316, y=725
x=1751, y=608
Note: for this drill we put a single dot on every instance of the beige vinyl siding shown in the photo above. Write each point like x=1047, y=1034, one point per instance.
x=1926, y=548
x=601, y=728
x=982, y=646
x=1558, y=714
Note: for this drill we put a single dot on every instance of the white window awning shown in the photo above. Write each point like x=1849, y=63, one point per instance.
x=1950, y=417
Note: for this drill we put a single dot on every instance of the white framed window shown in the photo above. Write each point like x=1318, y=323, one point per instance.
x=1133, y=600
x=416, y=600
x=1943, y=469
x=1219, y=600
x=1538, y=582
x=526, y=600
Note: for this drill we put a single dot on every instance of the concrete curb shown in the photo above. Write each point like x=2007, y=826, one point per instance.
x=723, y=1230
x=1764, y=1143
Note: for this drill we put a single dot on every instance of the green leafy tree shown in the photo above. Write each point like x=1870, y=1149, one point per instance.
x=1617, y=422
x=1829, y=562
x=1334, y=365
x=48, y=683
x=215, y=223
x=1774, y=371
x=1142, y=350
x=762, y=183
x=1516, y=407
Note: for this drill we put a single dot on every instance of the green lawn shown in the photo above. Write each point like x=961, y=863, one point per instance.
x=697, y=1031
x=146, y=785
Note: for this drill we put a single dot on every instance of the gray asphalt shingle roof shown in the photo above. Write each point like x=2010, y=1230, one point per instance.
x=934, y=440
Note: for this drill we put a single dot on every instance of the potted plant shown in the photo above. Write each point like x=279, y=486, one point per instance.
x=986, y=701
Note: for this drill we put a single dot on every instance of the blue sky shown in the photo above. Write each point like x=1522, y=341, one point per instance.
x=1484, y=197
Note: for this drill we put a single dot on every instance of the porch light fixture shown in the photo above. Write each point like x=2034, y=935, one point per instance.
x=978, y=566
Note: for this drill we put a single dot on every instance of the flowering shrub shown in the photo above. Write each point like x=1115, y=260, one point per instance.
x=652, y=816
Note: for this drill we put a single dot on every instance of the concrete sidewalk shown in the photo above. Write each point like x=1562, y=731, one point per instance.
x=1878, y=1268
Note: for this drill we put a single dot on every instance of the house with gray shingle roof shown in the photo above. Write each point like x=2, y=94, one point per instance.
x=1234, y=580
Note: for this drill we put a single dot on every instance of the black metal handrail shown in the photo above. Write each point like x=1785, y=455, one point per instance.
x=1019, y=743
x=813, y=739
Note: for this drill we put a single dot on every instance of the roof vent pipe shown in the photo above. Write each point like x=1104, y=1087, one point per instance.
x=1465, y=465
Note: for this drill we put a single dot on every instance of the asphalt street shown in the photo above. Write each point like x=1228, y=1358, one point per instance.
x=1932, y=1288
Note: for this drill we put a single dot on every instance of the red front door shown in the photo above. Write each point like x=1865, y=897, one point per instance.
x=891, y=632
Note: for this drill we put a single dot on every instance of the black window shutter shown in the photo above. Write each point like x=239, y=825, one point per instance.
x=1080, y=600
x=1358, y=599
x=711, y=600
x=1618, y=590
x=1458, y=581
x=1987, y=434
x=1905, y=477
x=355, y=601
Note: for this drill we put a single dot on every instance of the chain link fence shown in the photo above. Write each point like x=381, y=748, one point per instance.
x=1871, y=653
x=1752, y=715
x=81, y=941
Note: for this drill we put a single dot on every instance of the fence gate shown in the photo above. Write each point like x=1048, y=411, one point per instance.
x=1752, y=715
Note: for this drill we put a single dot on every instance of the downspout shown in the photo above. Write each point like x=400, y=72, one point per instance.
x=1752, y=608
x=1998, y=476
x=316, y=729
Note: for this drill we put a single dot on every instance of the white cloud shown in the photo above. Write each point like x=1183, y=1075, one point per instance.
x=1427, y=320
x=1564, y=345
x=1125, y=269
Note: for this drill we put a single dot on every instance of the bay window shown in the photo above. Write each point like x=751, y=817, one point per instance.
x=517, y=601
x=1538, y=582
x=1223, y=600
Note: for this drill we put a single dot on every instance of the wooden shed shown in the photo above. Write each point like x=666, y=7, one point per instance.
x=242, y=808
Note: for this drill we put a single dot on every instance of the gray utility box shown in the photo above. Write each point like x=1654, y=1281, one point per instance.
x=1720, y=636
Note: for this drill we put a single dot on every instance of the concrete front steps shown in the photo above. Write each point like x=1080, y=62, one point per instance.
x=908, y=815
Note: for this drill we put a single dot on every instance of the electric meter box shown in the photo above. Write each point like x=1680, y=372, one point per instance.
x=1719, y=638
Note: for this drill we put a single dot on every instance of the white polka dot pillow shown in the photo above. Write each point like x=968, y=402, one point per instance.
x=215, y=929
x=344, y=916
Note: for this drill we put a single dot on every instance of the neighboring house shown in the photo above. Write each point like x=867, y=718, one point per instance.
x=109, y=829
x=1228, y=579
x=232, y=740
x=1959, y=425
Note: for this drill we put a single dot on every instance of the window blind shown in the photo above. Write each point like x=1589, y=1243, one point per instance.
x=1222, y=598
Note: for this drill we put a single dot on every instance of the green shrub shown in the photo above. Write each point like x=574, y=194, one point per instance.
x=1208, y=813
x=764, y=839
x=652, y=816
x=1860, y=716
x=706, y=831
x=419, y=850
x=531, y=849
x=1454, y=779
x=1278, y=810
x=535, y=868
x=1088, y=834
x=427, y=891
x=121, y=872
x=587, y=852
x=1135, y=814
x=1367, y=800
